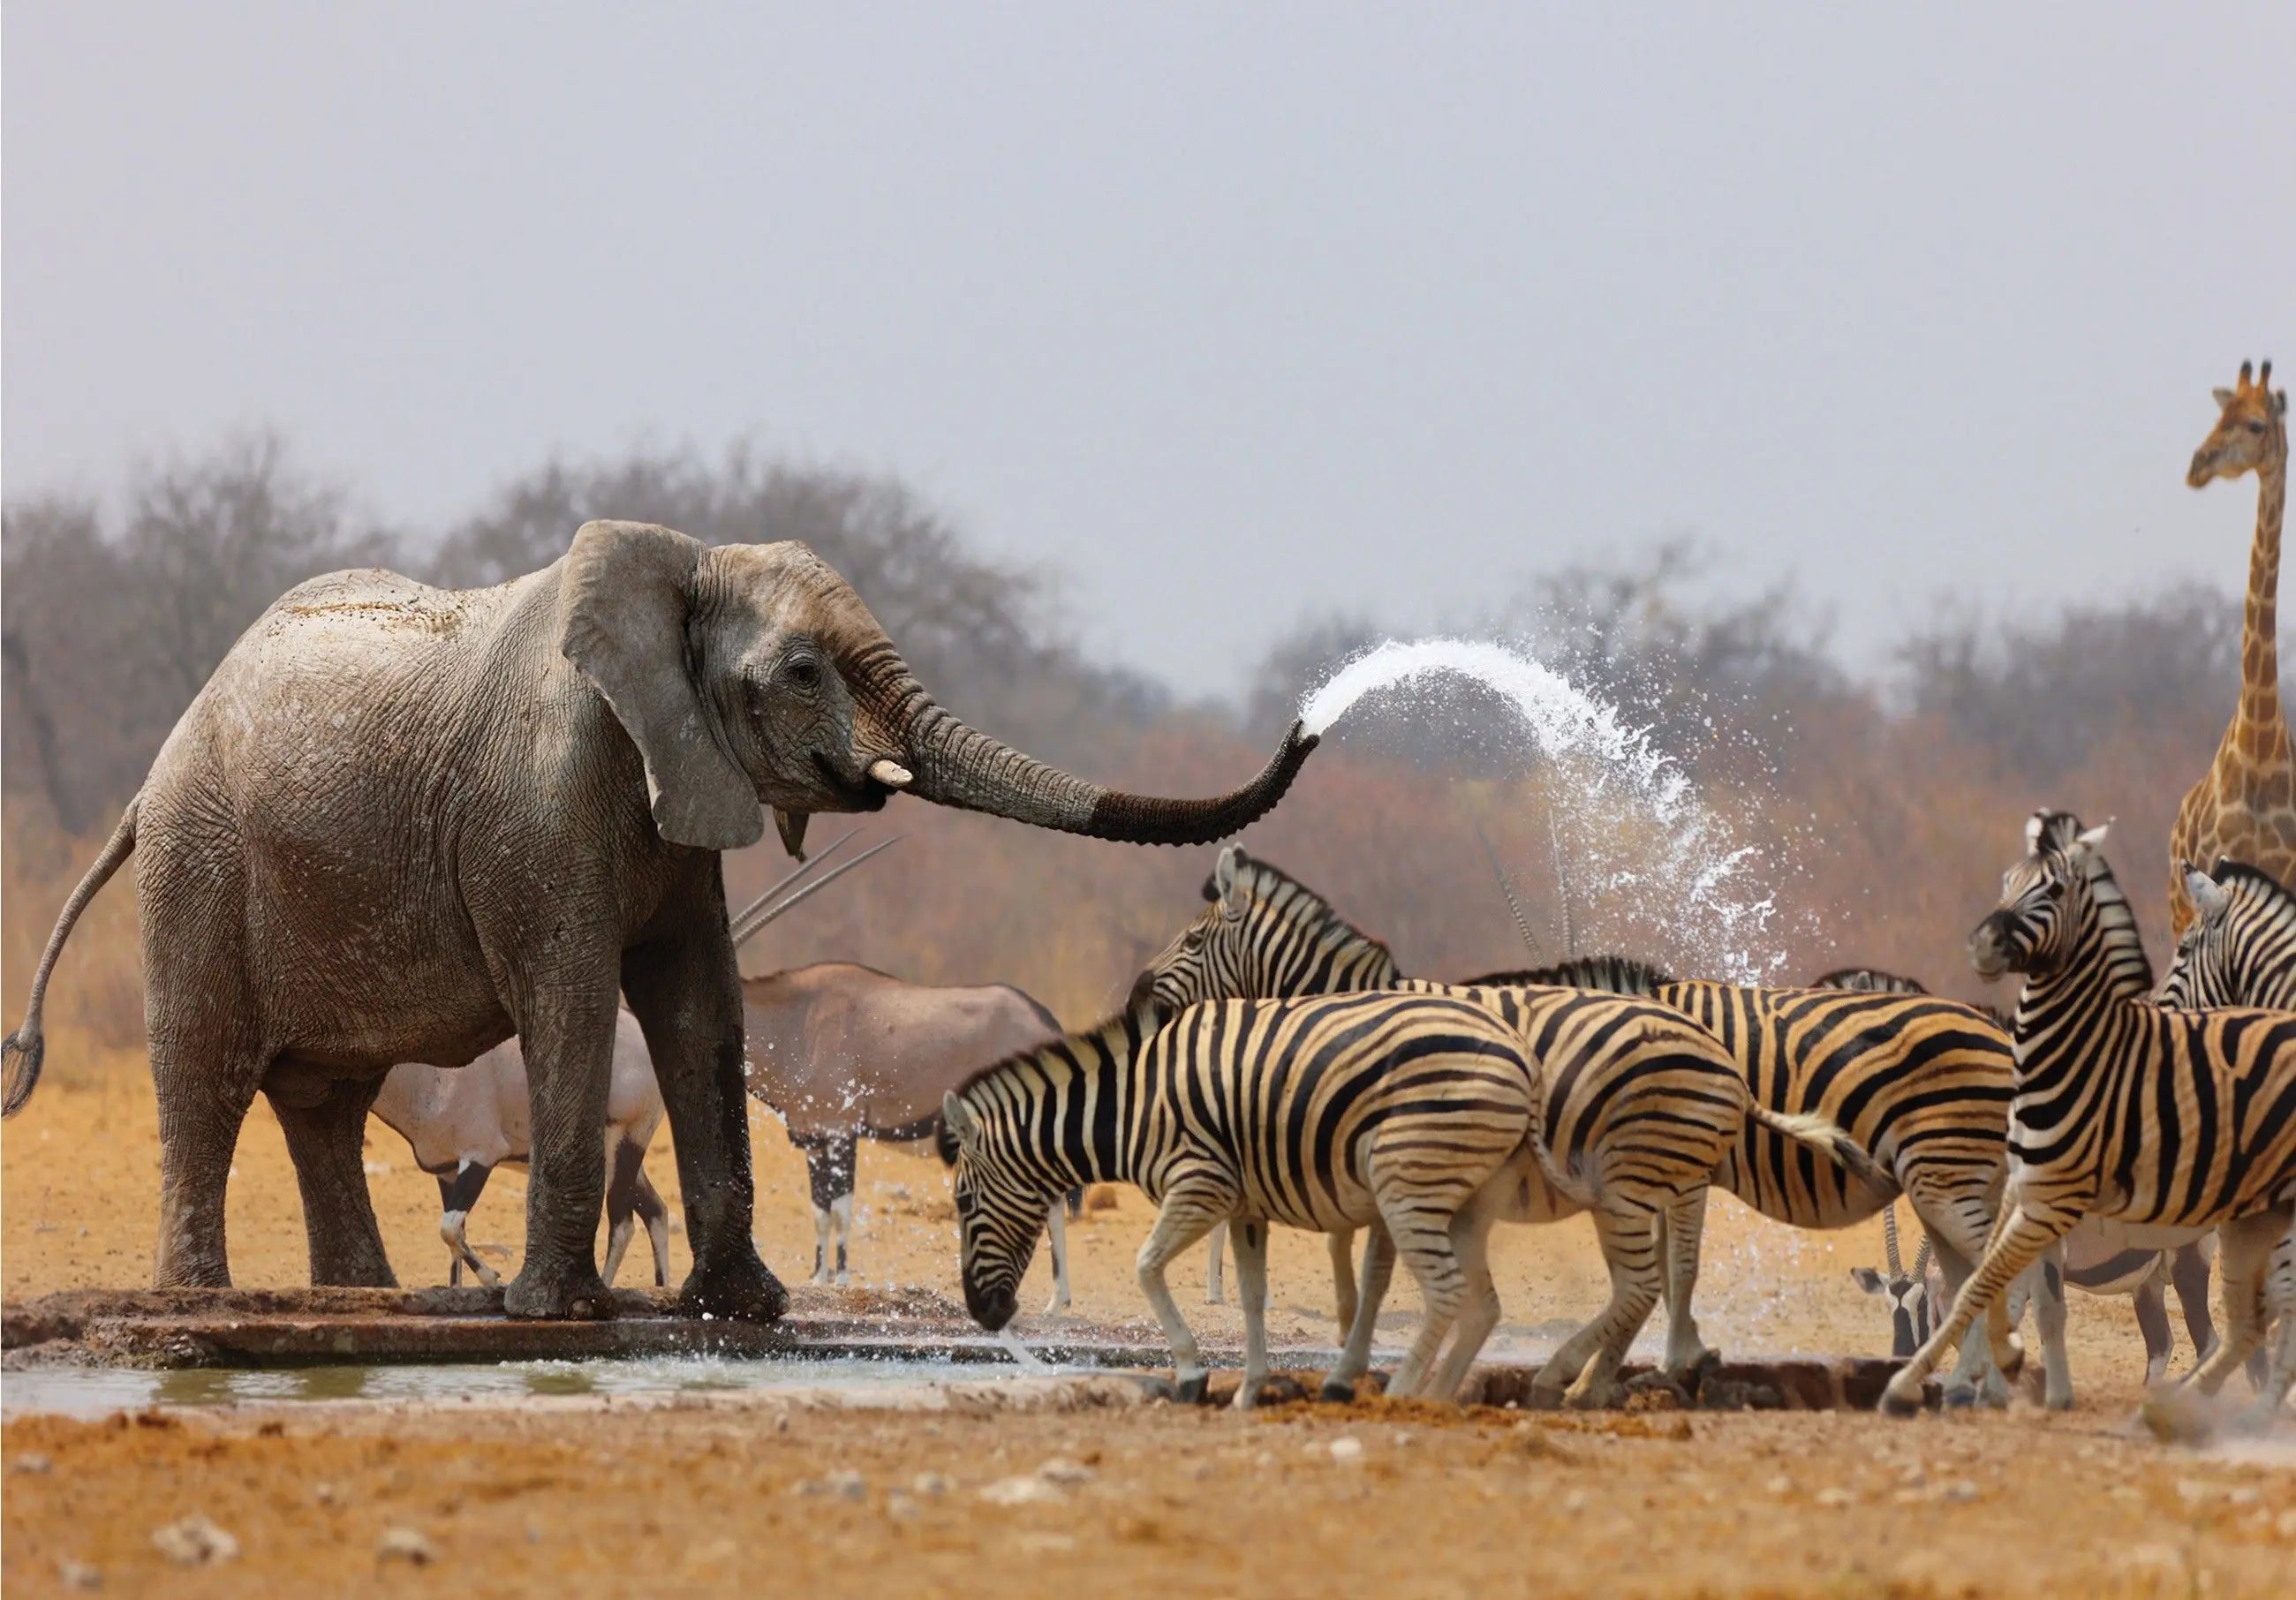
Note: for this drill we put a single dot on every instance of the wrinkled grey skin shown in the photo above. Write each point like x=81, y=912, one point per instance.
x=462, y=1122
x=403, y=823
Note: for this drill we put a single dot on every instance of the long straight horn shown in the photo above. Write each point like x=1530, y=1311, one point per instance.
x=790, y=877
x=750, y=928
x=1889, y=1241
x=1506, y=888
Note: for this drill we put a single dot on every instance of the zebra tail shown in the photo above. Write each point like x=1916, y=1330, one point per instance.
x=1826, y=1134
x=24, y=1050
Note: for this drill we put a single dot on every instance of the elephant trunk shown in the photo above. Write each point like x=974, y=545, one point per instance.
x=953, y=764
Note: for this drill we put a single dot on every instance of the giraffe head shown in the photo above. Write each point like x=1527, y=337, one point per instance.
x=2250, y=431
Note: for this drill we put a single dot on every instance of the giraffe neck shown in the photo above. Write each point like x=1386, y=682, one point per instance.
x=2259, y=721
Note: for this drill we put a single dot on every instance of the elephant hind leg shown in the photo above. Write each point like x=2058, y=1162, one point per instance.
x=326, y=1125
x=204, y=1093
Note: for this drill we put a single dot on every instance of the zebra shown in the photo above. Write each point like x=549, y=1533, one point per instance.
x=2128, y=1110
x=1640, y=1105
x=1319, y=1114
x=2240, y=949
x=2100, y=1258
x=1924, y=1093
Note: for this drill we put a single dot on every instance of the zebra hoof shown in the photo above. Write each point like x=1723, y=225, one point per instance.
x=1894, y=1404
x=1191, y=1390
x=1960, y=1397
x=1337, y=1392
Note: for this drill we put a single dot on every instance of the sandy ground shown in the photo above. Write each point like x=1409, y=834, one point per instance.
x=525, y=1500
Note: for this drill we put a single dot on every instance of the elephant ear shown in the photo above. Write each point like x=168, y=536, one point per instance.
x=623, y=604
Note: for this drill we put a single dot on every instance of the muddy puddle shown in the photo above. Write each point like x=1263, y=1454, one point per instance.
x=89, y=1392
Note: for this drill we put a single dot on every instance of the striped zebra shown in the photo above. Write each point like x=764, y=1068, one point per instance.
x=1321, y=1114
x=2240, y=949
x=1640, y=1106
x=2124, y=1109
x=1921, y=1085
x=2100, y=1258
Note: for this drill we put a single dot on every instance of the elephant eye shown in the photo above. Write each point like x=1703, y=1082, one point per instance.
x=803, y=671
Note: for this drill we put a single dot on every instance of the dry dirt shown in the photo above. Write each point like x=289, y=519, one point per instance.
x=535, y=1500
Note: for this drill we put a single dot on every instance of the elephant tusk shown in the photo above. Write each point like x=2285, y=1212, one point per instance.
x=891, y=773
x=791, y=827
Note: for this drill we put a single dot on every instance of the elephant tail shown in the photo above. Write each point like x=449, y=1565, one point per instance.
x=20, y=1055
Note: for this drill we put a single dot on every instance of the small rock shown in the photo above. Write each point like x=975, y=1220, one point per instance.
x=1346, y=1449
x=407, y=1545
x=1575, y=1501
x=1031, y=1491
x=1779, y=1485
x=844, y=1486
x=31, y=1463
x=2191, y=1491
x=193, y=1541
x=1960, y=1491
x=326, y=1494
x=930, y=1486
x=1045, y=1544
x=79, y=1574
x=1065, y=1472
x=901, y=1508
x=2244, y=1495
x=2285, y=1524
x=1836, y=1498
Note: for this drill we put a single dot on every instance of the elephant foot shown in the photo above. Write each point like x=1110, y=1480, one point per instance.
x=572, y=1294
x=356, y=1271
x=1336, y=1391
x=741, y=1289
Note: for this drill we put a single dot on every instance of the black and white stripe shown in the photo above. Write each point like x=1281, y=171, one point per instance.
x=1415, y=1111
x=2125, y=1110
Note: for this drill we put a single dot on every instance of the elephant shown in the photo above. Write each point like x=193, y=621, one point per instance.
x=401, y=823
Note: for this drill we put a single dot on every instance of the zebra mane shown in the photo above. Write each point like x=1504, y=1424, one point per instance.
x=2124, y=941
x=1615, y=974
x=1869, y=980
x=1117, y=1037
x=2262, y=885
x=1297, y=904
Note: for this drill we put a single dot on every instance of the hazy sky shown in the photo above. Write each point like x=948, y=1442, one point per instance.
x=1226, y=313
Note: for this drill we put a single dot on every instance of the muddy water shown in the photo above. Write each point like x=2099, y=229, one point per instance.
x=97, y=1391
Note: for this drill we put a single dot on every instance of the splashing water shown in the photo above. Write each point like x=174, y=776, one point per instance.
x=1656, y=861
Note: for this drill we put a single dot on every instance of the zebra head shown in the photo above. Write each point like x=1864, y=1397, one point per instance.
x=1907, y=1293
x=1002, y=1203
x=2239, y=948
x=1262, y=935
x=2035, y=927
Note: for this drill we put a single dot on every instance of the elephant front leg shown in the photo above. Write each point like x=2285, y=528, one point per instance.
x=568, y=1039
x=686, y=994
x=326, y=1127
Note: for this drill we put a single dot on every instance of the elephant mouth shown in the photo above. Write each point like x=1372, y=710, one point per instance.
x=864, y=794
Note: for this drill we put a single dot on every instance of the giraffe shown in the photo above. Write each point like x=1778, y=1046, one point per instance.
x=2246, y=806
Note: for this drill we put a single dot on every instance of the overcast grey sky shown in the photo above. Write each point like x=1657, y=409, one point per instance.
x=1228, y=313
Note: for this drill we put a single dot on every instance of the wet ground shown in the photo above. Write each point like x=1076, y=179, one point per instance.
x=509, y=1487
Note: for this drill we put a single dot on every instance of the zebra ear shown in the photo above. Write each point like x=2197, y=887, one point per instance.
x=959, y=1118
x=2094, y=839
x=2033, y=833
x=2208, y=895
x=1227, y=877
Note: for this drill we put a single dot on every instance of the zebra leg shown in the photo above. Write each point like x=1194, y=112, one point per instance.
x=1250, y=1237
x=1378, y=1272
x=1470, y=1242
x=2244, y=1250
x=2020, y=1237
x=1342, y=1244
x=1681, y=1230
x=1421, y=1233
x=1215, y=1287
x=1056, y=1231
x=2280, y=1302
x=1192, y=1207
x=1959, y=1234
x=1629, y=1240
